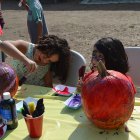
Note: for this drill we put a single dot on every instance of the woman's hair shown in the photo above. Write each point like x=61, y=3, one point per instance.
x=114, y=54
x=51, y=44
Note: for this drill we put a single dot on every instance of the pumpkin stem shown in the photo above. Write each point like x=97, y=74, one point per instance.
x=102, y=69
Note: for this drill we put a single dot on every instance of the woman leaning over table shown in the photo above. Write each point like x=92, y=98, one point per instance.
x=39, y=62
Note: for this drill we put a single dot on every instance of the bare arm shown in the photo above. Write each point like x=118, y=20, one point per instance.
x=79, y=85
x=17, y=49
x=21, y=45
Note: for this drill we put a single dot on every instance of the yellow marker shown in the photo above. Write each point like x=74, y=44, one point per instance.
x=31, y=106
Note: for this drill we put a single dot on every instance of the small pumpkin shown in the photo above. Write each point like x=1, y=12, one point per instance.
x=8, y=79
x=108, y=98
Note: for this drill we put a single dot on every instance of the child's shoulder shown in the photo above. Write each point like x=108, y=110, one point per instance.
x=29, y=52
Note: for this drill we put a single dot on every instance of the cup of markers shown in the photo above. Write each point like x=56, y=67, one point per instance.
x=34, y=126
x=33, y=116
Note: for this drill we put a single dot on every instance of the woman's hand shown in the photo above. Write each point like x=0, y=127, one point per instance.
x=31, y=65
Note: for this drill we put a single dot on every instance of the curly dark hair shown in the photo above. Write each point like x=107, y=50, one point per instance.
x=114, y=54
x=51, y=44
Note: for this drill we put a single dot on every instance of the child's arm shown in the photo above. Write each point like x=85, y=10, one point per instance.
x=79, y=85
x=21, y=45
x=16, y=50
x=39, y=30
x=80, y=82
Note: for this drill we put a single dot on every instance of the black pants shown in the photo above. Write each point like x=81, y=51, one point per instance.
x=2, y=53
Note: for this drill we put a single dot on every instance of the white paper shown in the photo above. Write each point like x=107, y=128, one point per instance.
x=62, y=87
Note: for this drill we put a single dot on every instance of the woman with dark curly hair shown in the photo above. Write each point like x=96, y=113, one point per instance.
x=39, y=62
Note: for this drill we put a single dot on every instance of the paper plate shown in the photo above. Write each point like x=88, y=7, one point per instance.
x=64, y=90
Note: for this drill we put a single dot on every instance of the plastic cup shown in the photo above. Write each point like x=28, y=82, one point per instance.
x=34, y=126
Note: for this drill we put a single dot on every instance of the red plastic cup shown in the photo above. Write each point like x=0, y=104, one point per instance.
x=34, y=126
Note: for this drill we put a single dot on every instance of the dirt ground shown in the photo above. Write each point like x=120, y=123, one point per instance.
x=81, y=25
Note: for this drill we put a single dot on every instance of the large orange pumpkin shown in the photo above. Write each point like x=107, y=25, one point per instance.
x=108, y=98
x=8, y=80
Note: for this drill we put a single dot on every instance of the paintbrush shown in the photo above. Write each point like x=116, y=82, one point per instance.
x=82, y=72
x=81, y=75
x=23, y=79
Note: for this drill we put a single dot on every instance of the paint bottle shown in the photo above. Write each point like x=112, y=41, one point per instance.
x=8, y=111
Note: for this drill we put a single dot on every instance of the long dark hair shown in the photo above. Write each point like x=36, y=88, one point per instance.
x=114, y=54
x=51, y=44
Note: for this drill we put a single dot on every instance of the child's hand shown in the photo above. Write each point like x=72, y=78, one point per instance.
x=31, y=65
x=79, y=85
x=27, y=7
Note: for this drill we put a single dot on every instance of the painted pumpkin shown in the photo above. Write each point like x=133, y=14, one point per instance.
x=8, y=79
x=108, y=98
